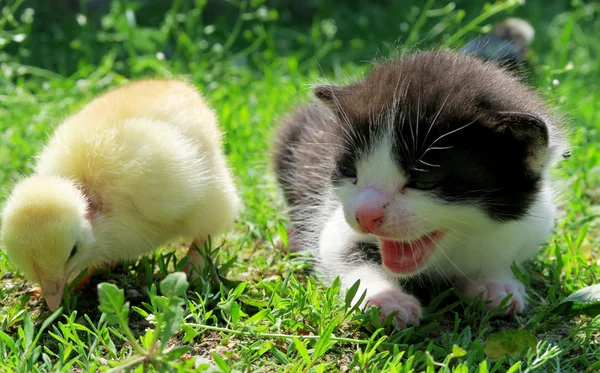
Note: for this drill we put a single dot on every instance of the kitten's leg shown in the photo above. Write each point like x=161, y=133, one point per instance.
x=340, y=255
x=494, y=288
x=505, y=245
x=384, y=292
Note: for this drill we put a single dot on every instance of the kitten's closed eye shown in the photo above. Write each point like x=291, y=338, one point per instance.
x=347, y=169
x=423, y=184
x=429, y=180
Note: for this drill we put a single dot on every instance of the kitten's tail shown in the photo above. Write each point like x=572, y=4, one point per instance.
x=507, y=44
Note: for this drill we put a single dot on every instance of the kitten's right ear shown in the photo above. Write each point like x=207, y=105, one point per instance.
x=330, y=95
x=532, y=131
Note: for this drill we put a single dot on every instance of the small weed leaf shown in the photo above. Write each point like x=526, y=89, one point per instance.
x=8, y=341
x=177, y=352
x=584, y=301
x=280, y=356
x=140, y=312
x=239, y=289
x=161, y=303
x=175, y=284
x=112, y=303
x=458, y=351
x=483, y=367
x=173, y=317
x=190, y=334
x=514, y=368
x=301, y=348
x=226, y=305
x=77, y=279
x=235, y=312
x=351, y=293
x=28, y=330
x=220, y=362
x=282, y=233
x=254, y=302
x=229, y=284
x=511, y=342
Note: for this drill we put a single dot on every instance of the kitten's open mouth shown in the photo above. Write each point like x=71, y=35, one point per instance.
x=408, y=256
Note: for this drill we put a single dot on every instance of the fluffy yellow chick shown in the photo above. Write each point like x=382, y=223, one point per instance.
x=137, y=167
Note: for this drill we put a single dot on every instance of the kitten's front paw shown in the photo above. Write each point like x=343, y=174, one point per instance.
x=407, y=308
x=496, y=290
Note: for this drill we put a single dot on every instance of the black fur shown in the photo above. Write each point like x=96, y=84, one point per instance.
x=364, y=252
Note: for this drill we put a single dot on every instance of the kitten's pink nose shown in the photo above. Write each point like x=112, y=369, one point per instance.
x=371, y=209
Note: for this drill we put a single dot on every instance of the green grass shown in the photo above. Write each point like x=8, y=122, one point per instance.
x=266, y=312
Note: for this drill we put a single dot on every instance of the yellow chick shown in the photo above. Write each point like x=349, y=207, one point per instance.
x=137, y=167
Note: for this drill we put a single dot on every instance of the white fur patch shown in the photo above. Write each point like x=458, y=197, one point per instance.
x=379, y=170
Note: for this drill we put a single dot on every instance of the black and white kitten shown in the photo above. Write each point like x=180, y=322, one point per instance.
x=435, y=164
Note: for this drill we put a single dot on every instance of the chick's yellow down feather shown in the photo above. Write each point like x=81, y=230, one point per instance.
x=137, y=167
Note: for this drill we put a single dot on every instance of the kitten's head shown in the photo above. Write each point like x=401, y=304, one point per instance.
x=433, y=145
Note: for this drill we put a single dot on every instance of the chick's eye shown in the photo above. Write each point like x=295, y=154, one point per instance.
x=73, y=251
x=347, y=169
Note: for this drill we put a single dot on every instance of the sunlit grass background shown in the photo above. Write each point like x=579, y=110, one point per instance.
x=255, y=60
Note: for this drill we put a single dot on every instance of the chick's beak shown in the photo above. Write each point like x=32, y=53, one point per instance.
x=53, y=292
x=52, y=288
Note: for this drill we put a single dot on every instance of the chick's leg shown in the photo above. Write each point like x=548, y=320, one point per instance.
x=87, y=278
x=196, y=262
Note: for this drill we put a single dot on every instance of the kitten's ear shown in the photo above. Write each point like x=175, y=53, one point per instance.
x=524, y=126
x=330, y=95
x=532, y=131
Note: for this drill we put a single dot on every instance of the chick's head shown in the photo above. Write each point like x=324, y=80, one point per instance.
x=45, y=232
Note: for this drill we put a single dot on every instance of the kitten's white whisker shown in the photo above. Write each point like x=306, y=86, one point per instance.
x=453, y=131
x=436, y=117
x=348, y=129
x=429, y=164
x=405, y=150
x=417, y=129
x=440, y=270
x=395, y=104
x=412, y=135
x=441, y=249
x=436, y=148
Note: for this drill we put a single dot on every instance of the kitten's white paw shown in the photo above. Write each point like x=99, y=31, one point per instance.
x=407, y=307
x=496, y=290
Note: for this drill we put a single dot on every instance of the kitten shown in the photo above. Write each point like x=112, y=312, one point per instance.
x=435, y=165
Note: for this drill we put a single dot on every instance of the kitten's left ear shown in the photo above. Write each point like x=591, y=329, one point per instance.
x=532, y=131
x=332, y=96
